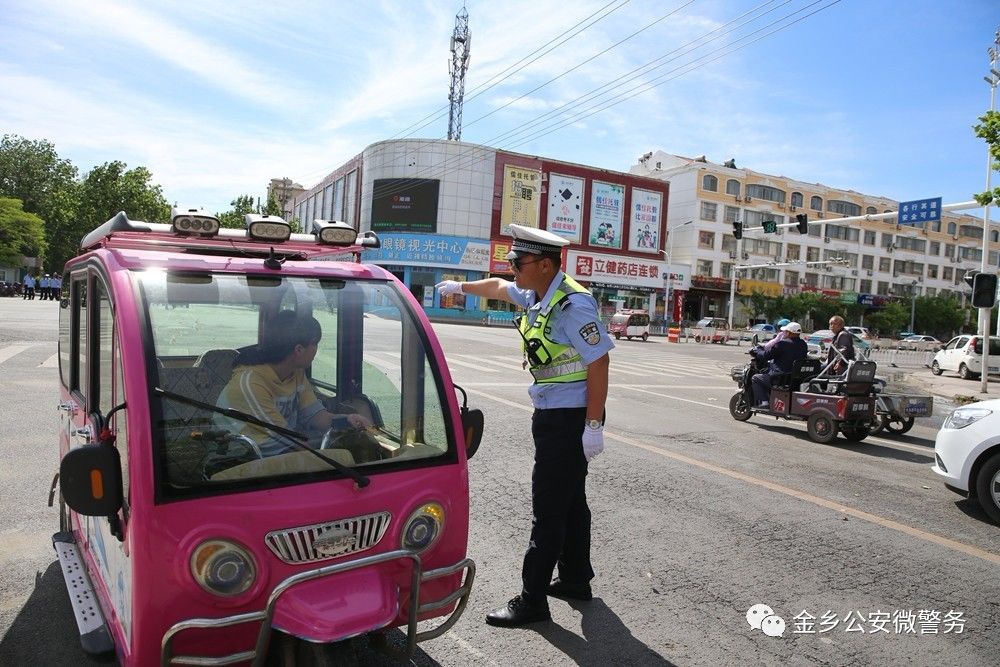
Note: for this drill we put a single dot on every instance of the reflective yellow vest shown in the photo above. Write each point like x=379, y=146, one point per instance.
x=552, y=362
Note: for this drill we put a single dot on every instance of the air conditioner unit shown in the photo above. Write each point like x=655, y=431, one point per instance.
x=749, y=199
x=819, y=214
x=854, y=272
x=792, y=207
x=870, y=273
x=826, y=239
x=732, y=254
x=780, y=205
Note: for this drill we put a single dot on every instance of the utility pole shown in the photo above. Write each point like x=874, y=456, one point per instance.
x=461, y=41
x=984, y=313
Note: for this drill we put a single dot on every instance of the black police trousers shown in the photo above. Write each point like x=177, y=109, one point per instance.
x=560, y=530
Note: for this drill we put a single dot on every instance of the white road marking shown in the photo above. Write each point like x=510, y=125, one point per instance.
x=51, y=362
x=12, y=350
x=933, y=538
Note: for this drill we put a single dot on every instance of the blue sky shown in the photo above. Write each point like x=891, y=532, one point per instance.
x=217, y=97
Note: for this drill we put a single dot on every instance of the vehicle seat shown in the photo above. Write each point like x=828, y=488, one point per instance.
x=219, y=364
x=859, y=379
x=804, y=370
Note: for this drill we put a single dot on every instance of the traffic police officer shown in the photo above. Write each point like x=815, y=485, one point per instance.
x=566, y=347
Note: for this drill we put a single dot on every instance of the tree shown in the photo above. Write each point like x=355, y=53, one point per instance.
x=989, y=129
x=112, y=187
x=757, y=303
x=33, y=172
x=236, y=217
x=21, y=233
x=890, y=319
x=938, y=315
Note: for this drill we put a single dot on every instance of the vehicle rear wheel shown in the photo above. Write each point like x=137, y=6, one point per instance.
x=697, y=339
x=645, y=337
x=878, y=423
x=965, y=373
x=988, y=487
x=618, y=336
x=821, y=428
x=738, y=407
x=855, y=432
x=935, y=368
x=898, y=425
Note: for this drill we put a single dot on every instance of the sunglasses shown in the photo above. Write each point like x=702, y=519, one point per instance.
x=518, y=262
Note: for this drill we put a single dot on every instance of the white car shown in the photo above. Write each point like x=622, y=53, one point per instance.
x=967, y=454
x=920, y=343
x=964, y=355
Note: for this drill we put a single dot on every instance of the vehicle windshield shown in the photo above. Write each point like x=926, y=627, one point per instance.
x=211, y=341
x=619, y=319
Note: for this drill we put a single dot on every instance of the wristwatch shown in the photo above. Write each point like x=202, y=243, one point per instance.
x=594, y=424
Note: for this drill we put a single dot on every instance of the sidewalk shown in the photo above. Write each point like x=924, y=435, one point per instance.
x=954, y=388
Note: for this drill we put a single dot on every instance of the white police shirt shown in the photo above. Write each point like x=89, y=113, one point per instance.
x=572, y=324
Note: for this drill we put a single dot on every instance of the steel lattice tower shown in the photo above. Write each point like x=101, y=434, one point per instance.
x=461, y=40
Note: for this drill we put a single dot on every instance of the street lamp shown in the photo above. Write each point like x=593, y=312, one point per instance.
x=667, y=292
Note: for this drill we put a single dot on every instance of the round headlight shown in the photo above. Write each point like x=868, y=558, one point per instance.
x=423, y=527
x=222, y=568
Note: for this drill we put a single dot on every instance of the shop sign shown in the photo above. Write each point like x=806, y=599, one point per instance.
x=748, y=287
x=565, y=212
x=431, y=250
x=616, y=270
x=520, y=197
x=498, y=257
x=848, y=297
x=644, y=229
x=710, y=282
x=606, y=202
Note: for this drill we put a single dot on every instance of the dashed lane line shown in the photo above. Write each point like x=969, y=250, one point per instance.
x=932, y=538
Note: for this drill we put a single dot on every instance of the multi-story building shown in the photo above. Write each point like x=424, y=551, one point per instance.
x=884, y=259
x=442, y=210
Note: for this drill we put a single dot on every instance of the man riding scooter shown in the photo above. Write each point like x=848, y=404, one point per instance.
x=780, y=359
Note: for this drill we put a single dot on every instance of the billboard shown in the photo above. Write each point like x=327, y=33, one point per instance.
x=606, y=202
x=404, y=204
x=431, y=250
x=644, y=227
x=565, y=212
x=520, y=197
x=619, y=270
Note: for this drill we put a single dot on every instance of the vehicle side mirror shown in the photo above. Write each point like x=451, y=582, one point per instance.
x=473, y=424
x=90, y=478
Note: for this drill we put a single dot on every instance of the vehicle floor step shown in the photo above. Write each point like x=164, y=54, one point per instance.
x=94, y=635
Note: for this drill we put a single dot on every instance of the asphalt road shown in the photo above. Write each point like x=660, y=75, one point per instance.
x=696, y=519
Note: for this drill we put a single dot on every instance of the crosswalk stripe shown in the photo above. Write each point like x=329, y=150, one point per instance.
x=51, y=362
x=508, y=365
x=478, y=365
x=654, y=368
x=11, y=350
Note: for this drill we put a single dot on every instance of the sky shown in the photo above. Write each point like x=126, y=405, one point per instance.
x=216, y=98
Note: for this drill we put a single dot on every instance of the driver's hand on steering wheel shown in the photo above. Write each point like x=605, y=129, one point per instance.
x=358, y=421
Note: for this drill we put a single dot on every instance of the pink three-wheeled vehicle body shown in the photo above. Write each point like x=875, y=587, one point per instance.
x=191, y=533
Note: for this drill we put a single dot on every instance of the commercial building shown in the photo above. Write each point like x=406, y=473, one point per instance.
x=885, y=259
x=443, y=208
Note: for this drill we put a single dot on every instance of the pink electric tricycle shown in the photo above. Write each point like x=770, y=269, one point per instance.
x=183, y=539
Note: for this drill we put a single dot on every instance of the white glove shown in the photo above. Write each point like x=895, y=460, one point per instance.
x=449, y=287
x=593, y=442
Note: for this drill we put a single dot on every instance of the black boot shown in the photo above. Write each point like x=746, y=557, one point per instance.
x=519, y=612
x=561, y=589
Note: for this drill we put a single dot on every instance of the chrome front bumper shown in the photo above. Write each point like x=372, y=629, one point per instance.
x=265, y=616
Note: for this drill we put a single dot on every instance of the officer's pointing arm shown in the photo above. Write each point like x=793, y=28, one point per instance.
x=490, y=288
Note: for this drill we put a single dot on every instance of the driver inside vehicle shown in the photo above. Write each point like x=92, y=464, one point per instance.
x=780, y=359
x=276, y=390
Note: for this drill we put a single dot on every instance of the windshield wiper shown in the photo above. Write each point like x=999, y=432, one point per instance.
x=295, y=438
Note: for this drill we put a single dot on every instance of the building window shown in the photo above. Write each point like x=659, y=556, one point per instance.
x=931, y=291
x=884, y=264
x=871, y=210
x=949, y=250
x=887, y=241
x=994, y=236
x=843, y=207
x=952, y=228
x=970, y=232
x=932, y=271
x=765, y=192
x=733, y=187
x=710, y=183
x=704, y=267
x=797, y=199
x=706, y=240
x=935, y=248
x=732, y=214
x=883, y=288
x=812, y=254
x=728, y=243
x=727, y=270
x=791, y=278
x=866, y=286
x=812, y=279
x=842, y=232
x=936, y=226
x=868, y=262
x=816, y=203
x=793, y=251
x=946, y=273
x=709, y=211
x=869, y=237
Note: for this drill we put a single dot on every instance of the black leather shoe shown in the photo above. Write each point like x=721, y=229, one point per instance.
x=560, y=589
x=519, y=612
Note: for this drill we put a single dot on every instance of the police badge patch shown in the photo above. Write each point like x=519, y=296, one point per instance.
x=591, y=333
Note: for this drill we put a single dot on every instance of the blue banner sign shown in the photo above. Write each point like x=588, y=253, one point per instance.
x=430, y=250
x=920, y=211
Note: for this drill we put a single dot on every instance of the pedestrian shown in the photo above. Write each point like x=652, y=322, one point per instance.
x=566, y=348
x=29, y=287
x=44, y=284
x=843, y=340
x=57, y=287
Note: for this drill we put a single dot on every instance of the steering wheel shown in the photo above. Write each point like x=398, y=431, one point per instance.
x=361, y=444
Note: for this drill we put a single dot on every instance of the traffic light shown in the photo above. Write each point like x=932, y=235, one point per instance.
x=970, y=276
x=984, y=290
x=802, y=221
x=738, y=229
x=770, y=226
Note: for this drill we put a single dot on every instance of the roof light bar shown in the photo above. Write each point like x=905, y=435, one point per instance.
x=193, y=221
x=335, y=232
x=271, y=228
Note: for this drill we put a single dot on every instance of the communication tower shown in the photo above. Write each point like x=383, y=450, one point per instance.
x=461, y=41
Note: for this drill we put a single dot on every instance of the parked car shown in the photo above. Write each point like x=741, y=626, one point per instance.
x=967, y=454
x=630, y=323
x=920, y=344
x=964, y=355
x=711, y=329
x=862, y=332
x=759, y=333
x=818, y=341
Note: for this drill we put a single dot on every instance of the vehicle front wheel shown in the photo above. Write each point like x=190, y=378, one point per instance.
x=988, y=487
x=645, y=337
x=738, y=407
x=618, y=336
x=965, y=373
x=935, y=368
x=898, y=425
x=821, y=428
x=288, y=651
